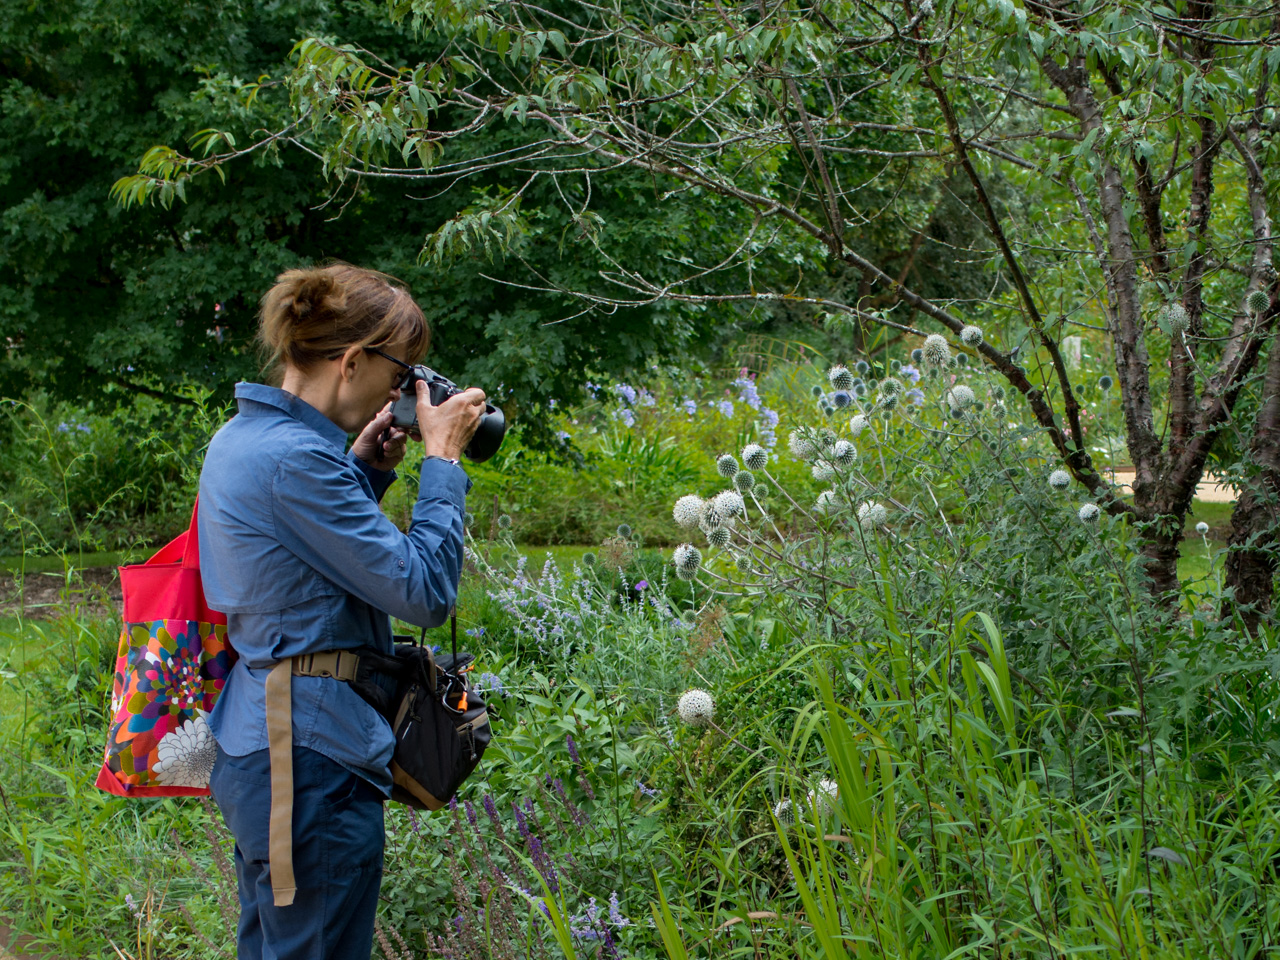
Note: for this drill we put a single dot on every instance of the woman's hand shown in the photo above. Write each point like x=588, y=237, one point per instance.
x=370, y=440
x=447, y=429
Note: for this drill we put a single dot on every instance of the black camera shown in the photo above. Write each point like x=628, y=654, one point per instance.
x=404, y=414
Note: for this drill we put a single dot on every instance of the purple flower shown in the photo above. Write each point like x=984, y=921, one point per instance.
x=725, y=407
x=573, y=748
x=647, y=791
x=471, y=812
x=690, y=406
x=642, y=585
x=626, y=415
x=627, y=393
x=476, y=632
x=490, y=808
x=522, y=822
x=542, y=863
x=916, y=397
x=908, y=372
x=615, y=912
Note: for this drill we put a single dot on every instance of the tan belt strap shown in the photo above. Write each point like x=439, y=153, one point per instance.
x=280, y=751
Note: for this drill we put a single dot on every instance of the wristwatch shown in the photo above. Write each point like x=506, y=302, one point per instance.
x=453, y=460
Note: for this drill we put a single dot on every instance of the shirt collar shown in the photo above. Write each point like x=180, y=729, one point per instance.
x=254, y=396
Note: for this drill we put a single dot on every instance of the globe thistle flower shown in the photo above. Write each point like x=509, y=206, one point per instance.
x=728, y=504
x=743, y=563
x=1059, y=479
x=802, y=444
x=504, y=522
x=891, y=386
x=828, y=410
x=998, y=410
x=717, y=536
x=827, y=502
x=785, y=813
x=755, y=457
x=1089, y=513
x=997, y=393
x=888, y=401
x=840, y=377
x=936, y=350
x=624, y=531
x=862, y=367
x=588, y=559
x=1256, y=303
x=841, y=399
x=468, y=519
x=689, y=511
x=960, y=398
x=1202, y=528
x=917, y=355
x=871, y=515
x=726, y=465
x=824, y=796
x=959, y=360
x=857, y=424
x=844, y=452
x=826, y=438
x=859, y=389
x=1105, y=384
x=744, y=480
x=971, y=336
x=816, y=390
x=1174, y=318
x=823, y=471
x=687, y=559
x=895, y=365
x=696, y=708
x=760, y=490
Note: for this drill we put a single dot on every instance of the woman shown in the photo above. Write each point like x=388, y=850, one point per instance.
x=296, y=551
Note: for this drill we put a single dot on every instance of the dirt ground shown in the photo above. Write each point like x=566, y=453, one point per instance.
x=1209, y=489
x=46, y=595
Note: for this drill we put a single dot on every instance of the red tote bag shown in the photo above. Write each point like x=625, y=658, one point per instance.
x=172, y=664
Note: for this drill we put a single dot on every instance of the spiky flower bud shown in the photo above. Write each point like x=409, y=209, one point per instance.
x=1202, y=528
x=687, y=559
x=971, y=336
x=840, y=377
x=937, y=352
x=689, y=511
x=785, y=813
x=823, y=471
x=755, y=457
x=917, y=355
x=728, y=504
x=891, y=386
x=1089, y=513
x=857, y=424
x=826, y=503
x=1256, y=303
x=824, y=796
x=696, y=707
x=826, y=438
x=717, y=536
x=744, y=480
x=743, y=563
x=844, y=452
x=802, y=444
x=960, y=398
x=871, y=515
x=888, y=401
x=1174, y=318
x=1105, y=384
x=624, y=531
x=504, y=522
x=726, y=465
x=1059, y=479
x=841, y=399
x=760, y=490
x=816, y=390
x=997, y=393
x=588, y=559
x=862, y=367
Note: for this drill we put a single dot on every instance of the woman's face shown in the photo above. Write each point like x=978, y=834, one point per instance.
x=369, y=382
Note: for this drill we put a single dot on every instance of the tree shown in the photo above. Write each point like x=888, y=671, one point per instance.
x=1082, y=133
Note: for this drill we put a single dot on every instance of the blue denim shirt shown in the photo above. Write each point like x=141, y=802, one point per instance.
x=295, y=550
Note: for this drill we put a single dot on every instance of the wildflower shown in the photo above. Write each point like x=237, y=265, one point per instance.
x=840, y=400
x=626, y=415
x=726, y=505
x=760, y=490
x=840, y=377
x=887, y=402
x=690, y=406
x=827, y=502
x=589, y=559
x=862, y=367
x=624, y=531
x=1105, y=383
x=491, y=682
x=647, y=791
x=626, y=392
x=744, y=480
x=717, y=536
x=689, y=511
x=726, y=465
x=1202, y=528
x=743, y=563
x=563, y=435
x=687, y=559
x=696, y=707
x=784, y=812
x=859, y=389
x=960, y=398
x=504, y=522
x=871, y=515
x=844, y=452
x=917, y=355
x=824, y=795
x=755, y=457
x=615, y=911
x=823, y=471
x=857, y=424
x=1174, y=318
x=971, y=336
x=802, y=445
x=1059, y=479
x=641, y=586
x=826, y=438
x=816, y=390
x=490, y=808
x=915, y=396
x=1256, y=302
x=890, y=386
x=1089, y=513
x=936, y=351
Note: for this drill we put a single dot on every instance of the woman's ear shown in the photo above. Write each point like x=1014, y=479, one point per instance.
x=351, y=361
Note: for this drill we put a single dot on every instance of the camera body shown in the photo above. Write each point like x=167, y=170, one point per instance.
x=404, y=413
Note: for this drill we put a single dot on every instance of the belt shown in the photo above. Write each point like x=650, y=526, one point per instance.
x=338, y=664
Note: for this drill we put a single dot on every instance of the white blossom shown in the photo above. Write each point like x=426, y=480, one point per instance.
x=755, y=457
x=696, y=707
x=936, y=350
x=689, y=511
x=971, y=336
x=857, y=424
x=1089, y=513
x=872, y=514
x=1202, y=528
x=1059, y=479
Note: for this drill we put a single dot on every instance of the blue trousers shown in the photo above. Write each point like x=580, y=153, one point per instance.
x=337, y=857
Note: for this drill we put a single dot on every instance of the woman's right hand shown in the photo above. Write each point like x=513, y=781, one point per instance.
x=447, y=429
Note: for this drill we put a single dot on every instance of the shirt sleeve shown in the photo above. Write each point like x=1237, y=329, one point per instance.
x=380, y=480
x=323, y=515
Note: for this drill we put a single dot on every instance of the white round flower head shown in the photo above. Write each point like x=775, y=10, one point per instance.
x=872, y=514
x=744, y=480
x=689, y=511
x=802, y=445
x=827, y=502
x=1089, y=513
x=784, y=812
x=504, y=522
x=890, y=386
x=761, y=491
x=824, y=796
x=936, y=350
x=755, y=457
x=857, y=424
x=1176, y=318
x=1257, y=302
x=743, y=563
x=823, y=471
x=1059, y=479
x=1202, y=528
x=971, y=336
x=961, y=397
x=729, y=504
x=844, y=452
x=717, y=536
x=696, y=707
x=840, y=377
x=726, y=465
x=687, y=559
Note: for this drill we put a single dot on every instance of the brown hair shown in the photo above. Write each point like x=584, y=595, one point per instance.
x=318, y=313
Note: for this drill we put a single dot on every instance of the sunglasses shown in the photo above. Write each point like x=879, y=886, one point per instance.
x=401, y=379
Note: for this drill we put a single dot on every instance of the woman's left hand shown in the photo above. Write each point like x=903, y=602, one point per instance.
x=370, y=439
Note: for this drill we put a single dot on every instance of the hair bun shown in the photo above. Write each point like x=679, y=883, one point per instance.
x=310, y=290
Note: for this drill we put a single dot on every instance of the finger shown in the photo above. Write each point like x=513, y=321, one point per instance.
x=421, y=387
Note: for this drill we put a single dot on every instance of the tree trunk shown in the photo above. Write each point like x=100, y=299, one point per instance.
x=1255, y=521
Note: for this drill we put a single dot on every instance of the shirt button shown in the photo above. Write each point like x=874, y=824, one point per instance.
x=400, y=564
